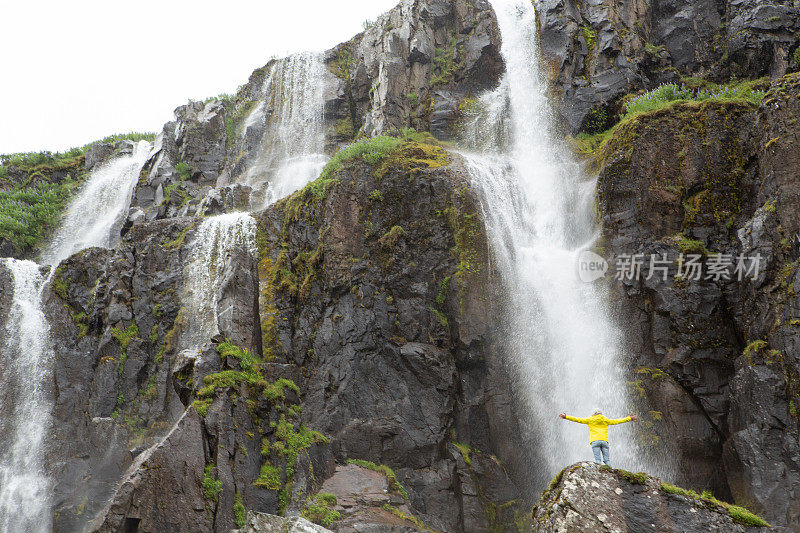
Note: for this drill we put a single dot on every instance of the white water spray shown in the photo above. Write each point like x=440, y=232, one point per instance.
x=25, y=404
x=538, y=207
x=99, y=208
x=215, y=240
x=293, y=145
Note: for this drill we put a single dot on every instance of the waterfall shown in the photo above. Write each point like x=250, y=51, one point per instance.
x=215, y=241
x=99, y=208
x=292, y=151
x=563, y=348
x=25, y=404
x=26, y=352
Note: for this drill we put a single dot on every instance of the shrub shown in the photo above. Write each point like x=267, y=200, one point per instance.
x=211, y=486
x=317, y=509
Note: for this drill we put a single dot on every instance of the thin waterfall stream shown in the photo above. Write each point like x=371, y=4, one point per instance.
x=26, y=353
x=565, y=351
x=292, y=149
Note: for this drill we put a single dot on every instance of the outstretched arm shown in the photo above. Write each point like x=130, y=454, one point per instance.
x=628, y=418
x=574, y=419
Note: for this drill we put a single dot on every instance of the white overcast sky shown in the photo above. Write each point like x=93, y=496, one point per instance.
x=75, y=71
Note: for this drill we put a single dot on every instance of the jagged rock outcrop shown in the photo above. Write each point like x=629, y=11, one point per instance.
x=588, y=497
x=413, y=67
x=597, y=52
x=716, y=357
x=116, y=317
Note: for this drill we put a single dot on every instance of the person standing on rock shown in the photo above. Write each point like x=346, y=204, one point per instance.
x=598, y=432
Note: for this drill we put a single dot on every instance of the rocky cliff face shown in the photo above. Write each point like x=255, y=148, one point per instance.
x=598, y=52
x=390, y=350
x=716, y=357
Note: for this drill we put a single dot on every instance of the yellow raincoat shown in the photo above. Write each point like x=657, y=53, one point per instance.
x=598, y=425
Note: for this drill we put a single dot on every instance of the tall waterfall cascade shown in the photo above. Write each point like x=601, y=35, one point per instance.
x=99, y=208
x=25, y=359
x=93, y=218
x=292, y=151
x=538, y=206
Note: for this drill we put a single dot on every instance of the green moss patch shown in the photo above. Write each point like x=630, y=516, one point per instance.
x=318, y=509
x=739, y=514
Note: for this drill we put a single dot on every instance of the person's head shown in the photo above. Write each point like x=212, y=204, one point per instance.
x=597, y=411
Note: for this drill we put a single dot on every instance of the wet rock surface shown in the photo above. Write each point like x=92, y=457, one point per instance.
x=715, y=358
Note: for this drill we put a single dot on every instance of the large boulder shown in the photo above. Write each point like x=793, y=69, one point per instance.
x=588, y=497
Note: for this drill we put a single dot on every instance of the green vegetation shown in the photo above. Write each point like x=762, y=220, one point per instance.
x=410, y=518
x=269, y=477
x=445, y=62
x=739, y=514
x=27, y=212
x=390, y=238
x=201, y=406
x=667, y=94
x=124, y=336
x=590, y=37
x=318, y=509
x=239, y=512
x=344, y=129
x=413, y=99
x=211, y=485
x=638, y=478
x=652, y=49
x=391, y=478
x=342, y=63
x=687, y=245
x=290, y=441
x=370, y=150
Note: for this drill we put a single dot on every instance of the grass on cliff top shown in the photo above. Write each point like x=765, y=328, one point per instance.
x=46, y=160
x=374, y=150
x=691, y=90
x=738, y=514
x=406, y=149
x=28, y=212
x=664, y=95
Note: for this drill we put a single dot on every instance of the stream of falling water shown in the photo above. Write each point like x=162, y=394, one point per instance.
x=93, y=218
x=292, y=151
x=538, y=206
x=25, y=404
x=99, y=208
x=215, y=241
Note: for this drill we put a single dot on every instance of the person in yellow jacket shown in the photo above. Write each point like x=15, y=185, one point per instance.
x=598, y=432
